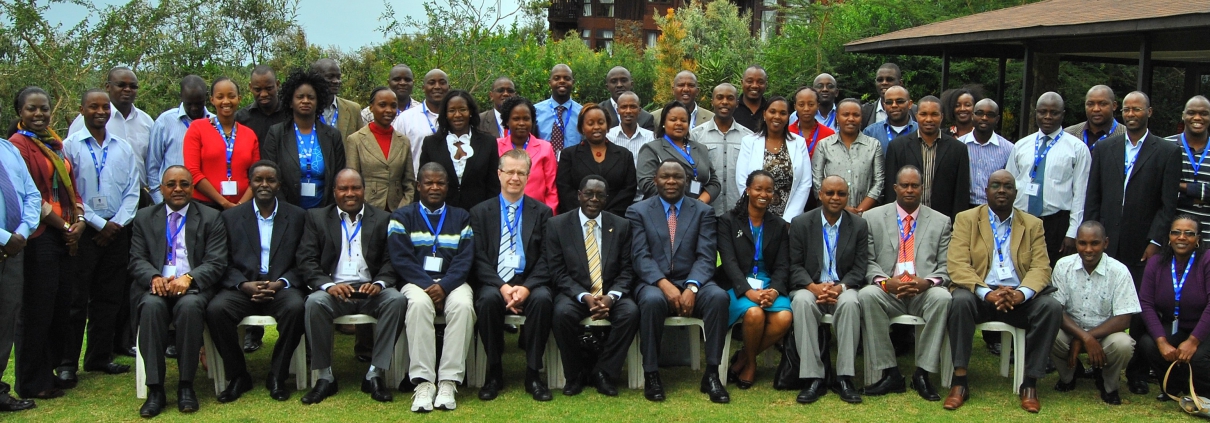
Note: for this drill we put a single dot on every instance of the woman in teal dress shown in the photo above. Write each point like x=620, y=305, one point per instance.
x=755, y=278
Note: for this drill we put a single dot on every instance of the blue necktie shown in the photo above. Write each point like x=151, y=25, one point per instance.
x=12, y=208
x=1035, y=201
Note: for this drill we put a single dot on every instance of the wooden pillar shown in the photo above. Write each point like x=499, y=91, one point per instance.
x=1027, y=89
x=1145, y=67
x=1193, y=79
x=1000, y=90
x=945, y=70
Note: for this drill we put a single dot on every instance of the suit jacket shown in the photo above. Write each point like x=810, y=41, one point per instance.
x=691, y=258
x=951, y=175
x=489, y=124
x=281, y=146
x=971, y=249
x=319, y=251
x=646, y=120
x=931, y=243
x=349, y=120
x=806, y=250
x=1150, y=198
x=389, y=182
x=479, y=180
x=205, y=239
x=653, y=153
x=243, y=244
x=1077, y=130
x=617, y=169
x=869, y=110
x=485, y=223
x=700, y=116
x=567, y=256
x=737, y=250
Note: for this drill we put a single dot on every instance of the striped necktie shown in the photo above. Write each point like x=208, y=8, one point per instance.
x=594, y=259
x=506, y=245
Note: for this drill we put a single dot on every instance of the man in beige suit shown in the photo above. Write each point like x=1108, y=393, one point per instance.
x=685, y=90
x=907, y=272
x=344, y=115
x=1000, y=272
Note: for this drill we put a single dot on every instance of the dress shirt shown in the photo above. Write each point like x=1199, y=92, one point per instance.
x=135, y=129
x=253, y=117
x=1006, y=250
x=180, y=247
x=1067, y=167
x=831, y=234
x=903, y=214
x=519, y=248
x=416, y=123
x=570, y=118
x=985, y=159
x=346, y=246
x=1195, y=198
x=724, y=152
x=633, y=143
x=679, y=204
x=27, y=193
x=861, y=166
x=459, y=164
x=597, y=233
x=330, y=113
x=264, y=227
x=115, y=197
x=829, y=120
x=1092, y=298
x=404, y=105
x=884, y=132
x=165, y=148
x=879, y=113
x=1132, y=153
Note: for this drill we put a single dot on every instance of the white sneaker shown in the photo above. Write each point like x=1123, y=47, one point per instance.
x=422, y=399
x=445, y=395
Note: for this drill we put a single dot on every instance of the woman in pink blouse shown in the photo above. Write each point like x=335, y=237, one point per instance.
x=520, y=119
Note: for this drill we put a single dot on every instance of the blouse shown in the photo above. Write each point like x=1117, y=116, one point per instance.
x=205, y=156
x=861, y=166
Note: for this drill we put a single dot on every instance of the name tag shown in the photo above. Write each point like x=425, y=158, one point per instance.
x=99, y=203
x=168, y=271
x=695, y=187
x=1174, y=325
x=1032, y=189
x=308, y=189
x=755, y=283
x=906, y=267
x=512, y=260
x=1004, y=272
x=349, y=268
x=433, y=264
x=229, y=188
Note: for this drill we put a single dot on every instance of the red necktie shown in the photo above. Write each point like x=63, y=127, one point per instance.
x=907, y=250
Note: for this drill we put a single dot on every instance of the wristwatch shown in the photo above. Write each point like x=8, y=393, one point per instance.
x=692, y=287
x=66, y=226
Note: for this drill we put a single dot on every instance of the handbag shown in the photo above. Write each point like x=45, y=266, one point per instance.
x=1192, y=404
x=786, y=377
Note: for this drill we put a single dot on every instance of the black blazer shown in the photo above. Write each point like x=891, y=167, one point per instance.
x=806, y=249
x=320, y=248
x=243, y=243
x=1150, y=202
x=617, y=169
x=479, y=180
x=567, y=257
x=736, y=248
x=281, y=146
x=645, y=120
x=951, y=174
x=205, y=238
x=485, y=224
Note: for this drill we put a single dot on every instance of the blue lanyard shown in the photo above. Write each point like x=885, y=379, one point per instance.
x=831, y=120
x=436, y=231
x=1111, y=129
x=349, y=237
x=561, y=120
x=1189, y=152
x=186, y=121
x=29, y=134
x=172, y=234
x=511, y=225
x=999, y=240
x=230, y=142
x=424, y=108
x=891, y=134
x=1040, y=152
x=310, y=147
x=903, y=239
x=759, y=233
x=1130, y=160
x=829, y=245
x=1178, y=285
x=684, y=154
x=814, y=138
x=335, y=117
x=99, y=166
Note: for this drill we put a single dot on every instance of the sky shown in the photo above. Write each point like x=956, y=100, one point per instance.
x=346, y=24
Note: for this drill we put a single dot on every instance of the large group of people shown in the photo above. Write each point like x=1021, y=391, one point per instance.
x=808, y=215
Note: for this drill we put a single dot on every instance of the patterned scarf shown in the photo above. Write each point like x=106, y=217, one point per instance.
x=52, y=145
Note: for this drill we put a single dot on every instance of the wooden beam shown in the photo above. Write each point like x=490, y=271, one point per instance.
x=1027, y=89
x=1146, y=68
x=945, y=70
x=1000, y=90
x=1193, y=79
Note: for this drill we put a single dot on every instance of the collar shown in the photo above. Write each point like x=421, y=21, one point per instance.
x=1010, y=216
x=88, y=136
x=902, y=213
x=499, y=119
x=1131, y=145
x=824, y=218
x=184, y=211
x=1056, y=135
x=375, y=129
x=679, y=205
x=584, y=219
x=879, y=103
x=1101, y=269
x=180, y=112
x=970, y=139
x=341, y=213
x=256, y=210
x=516, y=203
x=639, y=133
x=451, y=138
x=439, y=210
x=911, y=123
x=569, y=102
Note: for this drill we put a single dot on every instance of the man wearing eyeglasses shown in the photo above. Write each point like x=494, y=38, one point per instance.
x=899, y=109
x=490, y=120
x=988, y=150
x=1099, y=104
x=887, y=76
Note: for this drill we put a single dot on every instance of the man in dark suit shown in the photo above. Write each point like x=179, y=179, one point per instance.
x=504, y=269
x=887, y=76
x=178, y=253
x=587, y=257
x=1132, y=189
x=489, y=121
x=826, y=281
x=342, y=257
x=942, y=160
x=260, y=280
x=618, y=82
x=673, y=246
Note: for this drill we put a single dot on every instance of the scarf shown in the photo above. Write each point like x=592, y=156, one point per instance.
x=51, y=144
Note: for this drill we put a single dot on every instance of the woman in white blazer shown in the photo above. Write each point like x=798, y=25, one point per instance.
x=782, y=154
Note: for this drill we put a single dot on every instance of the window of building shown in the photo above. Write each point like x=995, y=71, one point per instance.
x=606, y=8
x=605, y=40
x=652, y=38
x=588, y=8
x=586, y=36
x=768, y=19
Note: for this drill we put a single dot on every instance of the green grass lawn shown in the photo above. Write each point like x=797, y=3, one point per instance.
x=103, y=398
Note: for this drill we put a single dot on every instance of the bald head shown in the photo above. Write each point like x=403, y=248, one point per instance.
x=1140, y=96
x=561, y=82
x=435, y=85
x=1052, y=98
x=988, y=103
x=684, y=88
x=329, y=70
x=618, y=81
x=1136, y=111
x=1101, y=90
x=349, y=191
x=825, y=85
x=1048, y=113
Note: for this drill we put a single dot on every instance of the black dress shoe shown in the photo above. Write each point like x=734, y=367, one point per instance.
x=236, y=388
x=994, y=348
x=4, y=388
x=1111, y=398
x=574, y=385
x=490, y=389
x=1163, y=397
x=536, y=387
x=1138, y=387
x=377, y=389
x=362, y=358
x=924, y=388
x=8, y=403
x=252, y=341
x=186, y=400
x=322, y=390
x=170, y=351
x=713, y=386
x=1062, y=386
x=888, y=384
x=653, y=388
x=154, y=404
x=109, y=369
x=128, y=351
x=815, y=389
x=277, y=388
x=604, y=385
x=66, y=379
x=847, y=391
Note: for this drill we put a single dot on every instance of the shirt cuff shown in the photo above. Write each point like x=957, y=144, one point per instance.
x=693, y=282
x=935, y=281
x=325, y=286
x=381, y=284
x=879, y=279
x=1029, y=293
x=580, y=297
x=616, y=295
x=982, y=292
x=96, y=221
x=285, y=281
x=5, y=236
x=1156, y=243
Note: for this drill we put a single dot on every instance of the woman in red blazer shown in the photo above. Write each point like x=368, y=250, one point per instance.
x=521, y=119
x=218, y=151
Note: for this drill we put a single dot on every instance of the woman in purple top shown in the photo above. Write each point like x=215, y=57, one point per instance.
x=1175, y=287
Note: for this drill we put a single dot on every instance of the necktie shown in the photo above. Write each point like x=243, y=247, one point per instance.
x=594, y=259
x=1035, y=201
x=460, y=153
x=556, y=133
x=506, y=273
x=672, y=224
x=908, y=249
x=12, y=207
x=174, y=221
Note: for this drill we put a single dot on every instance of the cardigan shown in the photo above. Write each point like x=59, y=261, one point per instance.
x=409, y=241
x=1158, y=298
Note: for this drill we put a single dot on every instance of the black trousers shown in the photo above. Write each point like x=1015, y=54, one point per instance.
x=1041, y=317
x=1179, y=381
x=155, y=314
x=624, y=318
x=47, y=296
x=100, y=292
x=489, y=324
x=229, y=306
x=1137, y=368
x=1056, y=226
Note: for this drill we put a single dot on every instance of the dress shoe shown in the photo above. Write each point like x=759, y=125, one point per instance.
x=186, y=400
x=924, y=388
x=888, y=384
x=574, y=385
x=377, y=389
x=994, y=348
x=1029, y=400
x=1163, y=397
x=154, y=404
x=127, y=351
x=4, y=388
x=323, y=389
x=1062, y=386
x=252, y=342
x=277, y=388
x=109, y=369
x=511, y=328
x=653, y=388
x=49, y=394
x=8, y=403
x=491, y=389
x=847, y=391
x=170, y=351
x=604, y=385
x=1138, y=387
x=362, y=358
x=236, y=388
x=66, y=379
x=958, y=396
x=1111, y=398
x=713, y=386
x=536, y=387
x=815, y=389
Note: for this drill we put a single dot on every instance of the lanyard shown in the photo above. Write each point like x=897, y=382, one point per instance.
x=186, y=121
x=561, y=120
x=511, y=225
x=310, y=147
x=1178, y=285
x=424, y=108
x=1111, y=129
x=172, y=234
x=1189, y=152
x=891, y=134
x=904, y=239
x=99, y=166
x=436, y=231
x=814, y=137
x=1130, y=160
x=759, y=233
x=830, y=250
x=831, y=120
x=350, y=237
x=999, y=240
x=335, y=117
x=1040, y=152
x=684, y=154
x=230, y=142
x=29, y=134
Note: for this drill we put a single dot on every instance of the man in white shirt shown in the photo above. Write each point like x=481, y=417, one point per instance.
x=419, y=122
x=127, y=121
x=401, y=81
x=723, y=137
x=629, y=134
x=168, y=133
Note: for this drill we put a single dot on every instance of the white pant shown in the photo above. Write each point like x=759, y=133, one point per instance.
x=422, y=338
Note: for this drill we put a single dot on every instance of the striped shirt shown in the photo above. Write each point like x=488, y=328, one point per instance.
x=1065, y=178
x=985, y=159
x=929, y=154
x=1193, y=199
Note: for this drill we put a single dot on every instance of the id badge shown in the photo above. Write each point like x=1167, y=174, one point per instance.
x=1004, y=272
x=755, y=283
x=99, y=203
x=433, y=264
x=512, y=260
x=308, y=189
x=1032, y=189
x=695, y=187
x=349, y=268
x=1173, y=327
x=168, y=271
x=229, y=188
x=906, y=267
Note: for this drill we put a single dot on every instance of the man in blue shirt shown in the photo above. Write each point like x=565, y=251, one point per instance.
x=898, y=105
x=21, y=206
x=168, y=133
x=559, y=114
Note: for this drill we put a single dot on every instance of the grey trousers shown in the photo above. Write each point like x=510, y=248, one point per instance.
x=878, y=308
x=422, y=336
x=388, y=307
x=1040, y=317
x=155, y=314
x=846, y=322
x=1118, y=346
x=12, y=284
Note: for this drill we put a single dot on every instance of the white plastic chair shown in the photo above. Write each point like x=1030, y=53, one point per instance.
x=216, y=368
x=695, y=350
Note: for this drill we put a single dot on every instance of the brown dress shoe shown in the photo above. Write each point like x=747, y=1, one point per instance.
x=1029, y=400
x=958, y=396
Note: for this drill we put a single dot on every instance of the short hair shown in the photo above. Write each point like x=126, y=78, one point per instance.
x=264, y=70
x=443, y=121
x=516, y=154
x=637, y=99
x=1094, y=226
x=181, y=167
x=949, y=101
x=674, y=161
x=794, y=97
x=594, y=177
x=930, y=99
x=584, y=112
x=659, y=128
x=893, y=67
x=264, y=163
x=374, y=93
x=506, y=111
x=221, y=79
x=361, y=179
x=90, y=91
x=907, y=168
x=433, y=167
x=117, y=69
x=848, y=100
x=193, y=82
x=298, y=78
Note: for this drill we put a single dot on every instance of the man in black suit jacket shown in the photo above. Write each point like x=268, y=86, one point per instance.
x=349, y=280
x=598, y=287
x=260, y=280
x=489, y=121
x=505, y=269
x=942, y=160
x=178, y=253
x=1136, y=208
x=673, y=246
x=618, y=81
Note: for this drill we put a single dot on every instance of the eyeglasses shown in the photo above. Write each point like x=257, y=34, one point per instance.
x=175, y=184
x=1133, y=110
x=1176, y=233
x=512, y=173
x=593, y=195
x=908, y=186
x=884, y=79
x=125, y=85
x=980, y=113
x=998, y=185
x=825, y=86
x=894, y=101
x=505, y=90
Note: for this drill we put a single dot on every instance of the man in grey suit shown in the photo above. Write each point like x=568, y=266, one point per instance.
x=907, y=274
x=489, y=121
x=618, y=82
x=673, y=248
x=828, y=257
